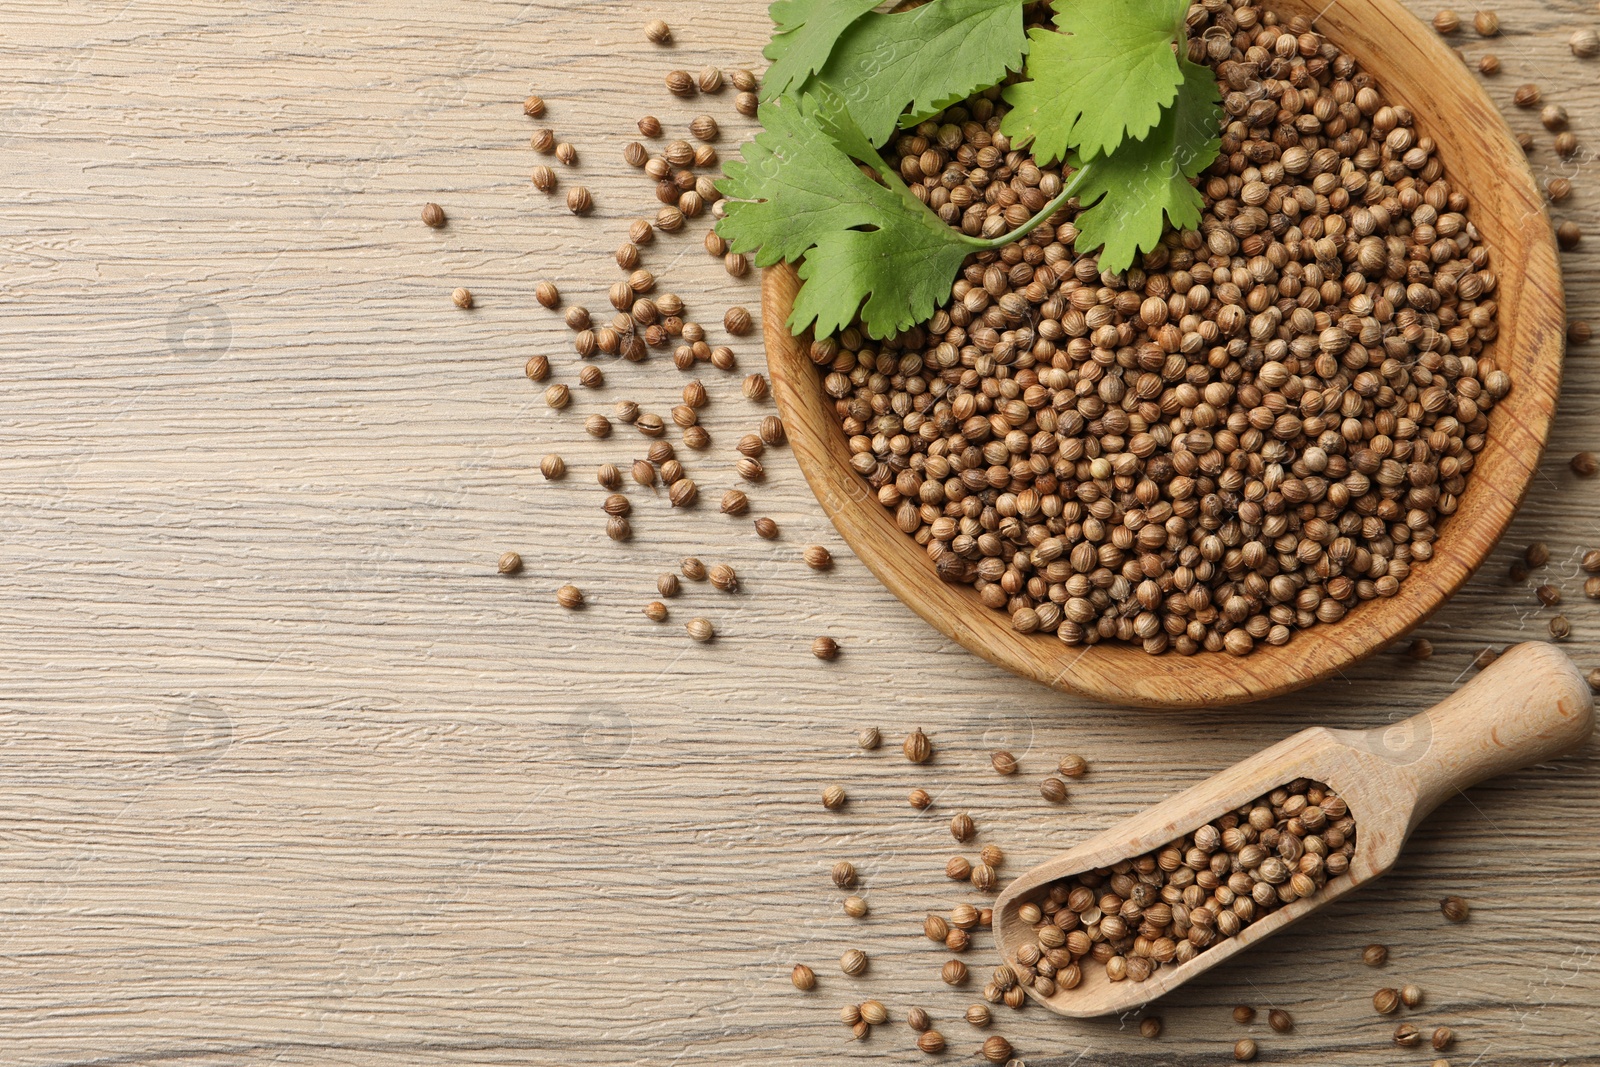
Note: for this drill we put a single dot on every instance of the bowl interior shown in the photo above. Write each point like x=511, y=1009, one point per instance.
x=1481, y=158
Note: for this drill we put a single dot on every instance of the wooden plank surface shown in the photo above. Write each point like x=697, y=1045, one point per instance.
x=290, y=776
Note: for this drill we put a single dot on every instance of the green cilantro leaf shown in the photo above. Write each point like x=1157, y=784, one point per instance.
x=1106, y=76
x=1142, y=181
x=924, y=59
x=807, y=31
x=866, y=246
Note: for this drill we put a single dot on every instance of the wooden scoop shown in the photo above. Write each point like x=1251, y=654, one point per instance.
x=1530, y=706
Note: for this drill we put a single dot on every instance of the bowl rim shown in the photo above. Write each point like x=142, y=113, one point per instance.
x=1529, y=344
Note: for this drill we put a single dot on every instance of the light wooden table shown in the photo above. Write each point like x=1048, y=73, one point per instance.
x=290, y=776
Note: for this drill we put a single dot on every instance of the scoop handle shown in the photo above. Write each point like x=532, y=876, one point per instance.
x=1531, y=705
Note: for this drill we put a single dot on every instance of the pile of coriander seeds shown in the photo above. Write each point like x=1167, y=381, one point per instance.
x=1167, y=906
x=1249, y=434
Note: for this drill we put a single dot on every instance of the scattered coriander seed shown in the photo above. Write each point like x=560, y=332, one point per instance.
x=1446, y=21
x=1407, y=1036
x=844, y=874
x=566, y=154
x=1548, y=595
x=1569, y=235
x=635, y=154
x=1585, y=44
x=722, y=358
x=655, y=611
x=715, y=245
x=1525, y=142
x=627, y=259
x=1073, y=766
x=750, y=470
x=920, y=799
x=1536, y=554
x=803, y=977
x=1553, y=117
x=1244, y=1015
x=693, y=569
x=962, y=827
x=650, y=126
x=680, y=83
x=533, y=107
x=433, y=215
x=608, y=475
x=1517, y=572
x=641, y=281
x=553, y=467
x=597, y=425
x=853, y=962
x=1486, y=23
x=874, y=1012
x=1489, y=64
x=667, y=585
x=935, y=928
x=1054, y=790
x=954, y=972
x=1004, y=763
x=724, y=578
x=700, y=630
x=1443, y=1037
x=669, y=220
x=1565, y=144
x=544, y=179
x=658, y=31
x=558, y=396
x=579, y=202
x=918, y=749
x=1244, y=1050
x=618, y=528
x=1386, y=1001
x=592, y=377
x=735, y=502
x=755, y=387
x=773, y=433
x=993, y=855
x=1375, y=955
x=983, y=877
x=931, y=1042
x=766, y=528
x=585, y=343
x=694, y=395
x=736, y=264
x=547, y=294
x=644, y=473
x=1150, y=1027
x=710, y=80
x=1280, y=1020
x=510, y=563
x=869, y=738
x=818, y=559
x=537, y=368
x=978, y=1015
x=1484, y=658
x=833, y=798
x=825, y=648
x=1560, y=628
x=1585, y=464
x=569, y=597
x=737, y=321
x=747, y=104
x=850, y=1014
x=1578, y=332
x=958, y=869
x=1420, y=649
x=682, y=493
x=997, y=1049
x=855, y=907
x=461, y=298
x=704, y=127
x=957, y=940
x=1527, y=95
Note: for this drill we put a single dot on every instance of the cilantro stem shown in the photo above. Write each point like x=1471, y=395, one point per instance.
x=1068, y=191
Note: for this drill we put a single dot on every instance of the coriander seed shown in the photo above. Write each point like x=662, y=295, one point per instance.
x=1375, y=955
x=608, y=475
x=958, y=869
x=627, y=259
x=597, y=425
x=860, y=1030
x=618, y=528
x=566, y=154
x=644, y=473
x=825, y=648
x=569, y=597
x=869, y=738
x=1565, y=144
x=553, y=467
x=710, y=80
x=591, y=377
x=1386, y=1001
x=693, y=569
x=700, y=630
x=1569, y=235
x=1073, y=766
x=682, y=493
x=1526, y=95
x=962, y=828
x=766, y=528
x=1486, y=23
x=997, y=1049
x=935, y=928
x=1585, y=464
x=853, y=962
x=547, y=294
x=747, y=104
x=1443, y=1037
x=1244, y=1015
x=658, y=31
x=737, y=321
x=650, y=126
x=1536, y=554
x=1578, y=332
x=537, y=368
x=833, y=797
x=1489, y=64
x=978, y=1015
x=1446, y=21
x=983, y=877
x=919, y=799
x=803, y=977
x=510, y=563
x=755, y=387
x=918, y=749
x=544, y=179
x=680, y=83
x=1004, y=763
x=723, y=577
x=819, y=559
x=844, y=874
x=1054, y=790
x=1280, y=1020
x=579, y=202
x=433, y=215
x=1548, y=595
x=931, y=1042
x=1407, y=1036
x=704, y=127
x=993, y=855
x=461, y=298
x=750, y=470
x=1244, y=1050
x=874, y=1012
x=558, y=396
x=735, y=503
x=855, y=907
x=954, y=972
x=1150, y=1027
x=772, y=432
x=655, y=611
x=533, y=107
x=1585, y=44
x=1553, y=117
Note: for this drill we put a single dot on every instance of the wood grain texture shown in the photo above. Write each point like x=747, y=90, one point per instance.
x=1480, y=155
x=292, y=777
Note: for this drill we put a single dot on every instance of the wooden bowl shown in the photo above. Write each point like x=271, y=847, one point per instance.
x=1413, y=66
